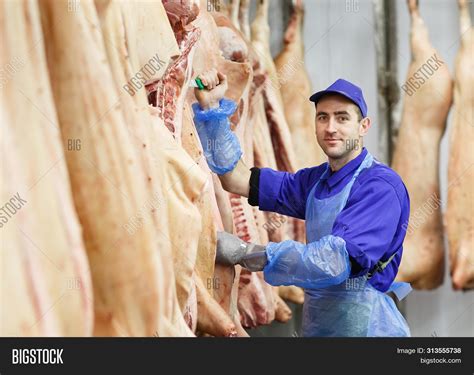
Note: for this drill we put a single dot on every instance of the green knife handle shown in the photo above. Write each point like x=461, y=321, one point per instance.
x=199, y=83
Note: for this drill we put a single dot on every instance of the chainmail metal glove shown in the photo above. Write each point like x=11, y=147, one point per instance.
x=231, y=250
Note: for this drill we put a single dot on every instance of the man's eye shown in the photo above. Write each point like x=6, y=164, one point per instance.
x=343, y=118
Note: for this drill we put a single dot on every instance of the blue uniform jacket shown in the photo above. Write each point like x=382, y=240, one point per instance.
x=373, y=222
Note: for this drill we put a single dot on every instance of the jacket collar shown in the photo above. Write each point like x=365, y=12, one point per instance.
x=334, y=178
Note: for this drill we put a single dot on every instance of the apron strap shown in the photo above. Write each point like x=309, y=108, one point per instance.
x=380, y=266
x=400, y=289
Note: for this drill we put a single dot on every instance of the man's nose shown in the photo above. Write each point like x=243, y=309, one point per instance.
x=331, y=125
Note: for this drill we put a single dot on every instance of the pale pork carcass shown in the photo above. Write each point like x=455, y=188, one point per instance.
x=283, y=146
x=211, y=317
x=416, y=158
x=208, y=56
x=193, y=262
x=108, y=176
x=295, y=89
x=273, y=146
x=167, y=95
x=279, y=130
x=45, y=277
x=164, y=160
x=260, y=135
x=237, y=47
x=459, y=219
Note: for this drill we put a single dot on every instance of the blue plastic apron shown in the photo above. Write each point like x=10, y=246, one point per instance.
x=354, y=307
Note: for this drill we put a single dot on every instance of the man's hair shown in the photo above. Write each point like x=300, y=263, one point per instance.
x=359, y=113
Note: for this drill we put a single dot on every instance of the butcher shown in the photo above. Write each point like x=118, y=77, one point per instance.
x=354, y=209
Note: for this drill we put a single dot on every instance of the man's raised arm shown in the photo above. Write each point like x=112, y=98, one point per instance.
x=221, y=146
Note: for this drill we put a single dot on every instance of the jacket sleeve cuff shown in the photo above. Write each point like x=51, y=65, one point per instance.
x=254, y=186
x=269, y=188
x=359, y=260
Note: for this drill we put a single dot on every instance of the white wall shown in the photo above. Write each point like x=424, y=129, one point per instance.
x=338, y=44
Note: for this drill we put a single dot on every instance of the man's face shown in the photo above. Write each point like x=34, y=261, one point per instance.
x=338, y=128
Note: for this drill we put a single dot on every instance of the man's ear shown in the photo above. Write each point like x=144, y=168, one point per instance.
x=365, y=125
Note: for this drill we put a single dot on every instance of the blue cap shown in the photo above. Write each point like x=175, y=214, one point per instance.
x=344, y=88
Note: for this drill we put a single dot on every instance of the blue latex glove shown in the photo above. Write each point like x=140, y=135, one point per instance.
x=221, y=146
x=315, y=265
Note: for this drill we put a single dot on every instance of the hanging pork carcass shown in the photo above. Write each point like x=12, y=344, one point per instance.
x=416, y=157
x=108, y=176
x=165, y=161
x=459, y=219
x=295, y=89
x=45, y=278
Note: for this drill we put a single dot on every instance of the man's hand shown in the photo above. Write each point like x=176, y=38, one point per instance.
x=216, y=86
x=236, y=180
